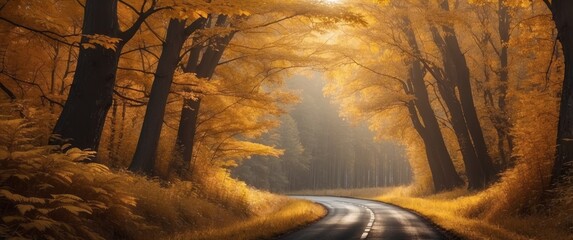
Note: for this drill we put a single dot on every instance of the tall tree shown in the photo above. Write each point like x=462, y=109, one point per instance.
x=177, y=33
x=82, y=119
x=204, y=67
x=502, y=123
x=443, y=172
x=479, y=165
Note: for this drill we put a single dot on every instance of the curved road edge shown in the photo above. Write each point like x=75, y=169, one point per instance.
x=303, y=226
x=446, y=234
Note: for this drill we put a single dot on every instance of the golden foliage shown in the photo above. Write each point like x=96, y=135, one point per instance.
x=45, y=191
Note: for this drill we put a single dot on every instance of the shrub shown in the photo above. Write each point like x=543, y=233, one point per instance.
x=45, y=192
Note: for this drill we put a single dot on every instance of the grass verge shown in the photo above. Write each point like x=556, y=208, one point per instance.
x=293, y=214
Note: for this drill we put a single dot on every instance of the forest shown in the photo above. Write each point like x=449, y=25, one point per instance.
x=192, y=119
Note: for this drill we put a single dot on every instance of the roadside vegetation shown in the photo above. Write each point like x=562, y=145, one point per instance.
x=46, y=191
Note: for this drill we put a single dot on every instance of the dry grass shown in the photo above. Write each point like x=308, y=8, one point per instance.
x=292, y=214
x=218, y=207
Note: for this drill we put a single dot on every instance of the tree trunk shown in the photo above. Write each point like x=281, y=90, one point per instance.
x=443, y=171
x=563, y=17
x=457, y=72
x=186, y=134
x=503, y=124
x=468, y=107
x=190, y=110
x=83, y=117
x=447, y=91
x=112, y=133
x=144, y=157
x=473, y=170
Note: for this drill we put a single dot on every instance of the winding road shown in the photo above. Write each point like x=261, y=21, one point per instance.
x=350, y=218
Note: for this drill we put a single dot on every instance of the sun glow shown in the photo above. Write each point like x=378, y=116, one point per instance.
x=332, y=1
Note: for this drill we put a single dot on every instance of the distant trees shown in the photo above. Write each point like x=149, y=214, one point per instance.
x=323, y=151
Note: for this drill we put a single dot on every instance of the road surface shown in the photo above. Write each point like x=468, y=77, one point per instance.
x=349, y=218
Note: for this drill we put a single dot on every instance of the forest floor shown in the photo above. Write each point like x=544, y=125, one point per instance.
x=463, y=213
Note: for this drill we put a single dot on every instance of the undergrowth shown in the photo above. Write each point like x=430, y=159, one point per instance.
x=47, y=192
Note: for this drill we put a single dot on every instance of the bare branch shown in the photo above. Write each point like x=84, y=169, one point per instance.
x=141, y=103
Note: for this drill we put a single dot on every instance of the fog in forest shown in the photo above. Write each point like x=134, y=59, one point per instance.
x=322, y=150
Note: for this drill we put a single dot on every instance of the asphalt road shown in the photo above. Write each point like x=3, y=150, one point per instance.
x=349, y=218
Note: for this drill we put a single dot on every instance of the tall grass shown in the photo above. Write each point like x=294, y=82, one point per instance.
x=47, y=193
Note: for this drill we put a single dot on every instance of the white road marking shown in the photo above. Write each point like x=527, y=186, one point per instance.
x=370, y=222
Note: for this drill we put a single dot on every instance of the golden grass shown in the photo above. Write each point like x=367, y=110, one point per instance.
x=217, y=207
x=293, y=214
x=469, y=215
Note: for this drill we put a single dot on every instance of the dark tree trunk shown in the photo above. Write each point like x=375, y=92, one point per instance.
x=447, y=90
x=502, y=123
x=441, y=165
x=468, y=107
x=473, y=170
x=82, y=119
x=458, y=74
x=144, y=157
x=186, y=133
x=563, y=16
x=120, y=131
x=190, y=110
x=443, y=171
x=112, y=132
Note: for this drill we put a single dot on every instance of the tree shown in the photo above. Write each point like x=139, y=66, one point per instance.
x=443, y=171
x=82, y=119
x=204, y=60
x=204, y=67
x=177, y=33
x=563, y=18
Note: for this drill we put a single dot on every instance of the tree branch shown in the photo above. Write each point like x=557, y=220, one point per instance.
x=47, y=33
x=196, y=25
x=141, y=103
x=8, y=92
x=43, y=95
x=130, y=32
